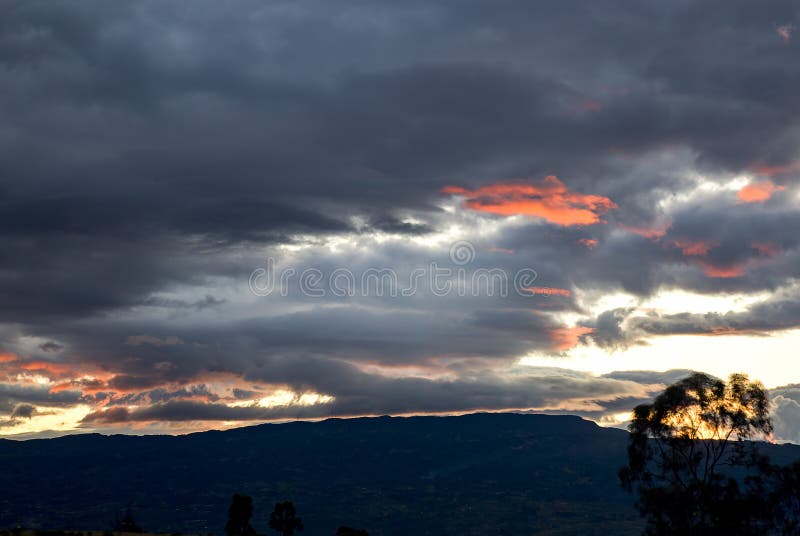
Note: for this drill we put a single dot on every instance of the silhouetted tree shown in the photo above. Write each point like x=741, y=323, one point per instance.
x=127, y=524
x=778, y=489
x=347, y=531
x=678, y=445
x=239, y=514
x=284, y=520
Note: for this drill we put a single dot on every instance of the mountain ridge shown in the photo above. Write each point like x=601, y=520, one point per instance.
x=498, y=473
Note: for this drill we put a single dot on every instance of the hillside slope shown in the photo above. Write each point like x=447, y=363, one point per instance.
x=474, y=474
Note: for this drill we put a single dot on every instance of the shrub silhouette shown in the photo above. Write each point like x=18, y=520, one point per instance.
x=348, y=531
x=127, y=524
x=284, y=520
x=239, y=514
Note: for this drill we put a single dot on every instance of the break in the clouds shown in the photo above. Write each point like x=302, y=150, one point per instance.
x=630, y=170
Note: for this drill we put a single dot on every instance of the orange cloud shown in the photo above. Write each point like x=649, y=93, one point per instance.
x=724, y=272
x=548, y=199
x=7, y=358
x=45, y=367
x=589, y=105
x=692, y=248
x=588, y=242
x=699, y=250
x=771, y=171
x=87, y=386
x=566, y=338
x=647, y=232
x=502, y=250
x=765, y=249
x=784, y=31
x=758, y=192
x=549, y=291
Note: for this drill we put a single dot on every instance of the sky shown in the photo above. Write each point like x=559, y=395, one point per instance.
x=218, y=214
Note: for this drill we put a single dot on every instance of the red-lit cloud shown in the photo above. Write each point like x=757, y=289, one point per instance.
x=505, y=251
x=765, y=249
x=46, y=368
x=723, y=272
x=775, y=170
x=549, y=291
x=784, y=31
x=85, y=385
x=692, y=248
x=548, y=199
x=647, y=232
x=567, y=338
x=698, y=250
x=589, y=105
x=758, y=192
x=588, y=242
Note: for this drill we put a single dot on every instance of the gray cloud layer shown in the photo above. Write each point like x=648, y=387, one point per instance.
x=153, y=154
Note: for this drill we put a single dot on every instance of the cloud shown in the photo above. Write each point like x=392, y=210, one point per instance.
x=785, y=31
x=607, y=330
x=549, y=291
x=23, y=411
x=725, y=272
x=50, y=346
x=138, y=340
x=648, y=232
x=785, y=412
x=356, y=394
x=548, y=199
x=176, y=166
x=758, y=192
x=12, y=395
x=772, y=170
x=690, y=248
x=569, y=337
x=620, y=327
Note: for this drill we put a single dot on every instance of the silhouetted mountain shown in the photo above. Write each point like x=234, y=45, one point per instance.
x=475, y=474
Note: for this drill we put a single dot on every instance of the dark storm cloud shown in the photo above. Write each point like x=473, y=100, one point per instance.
x=152, y=154
x=185, y=141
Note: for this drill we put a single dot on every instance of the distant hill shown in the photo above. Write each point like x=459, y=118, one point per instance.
x=474, y=474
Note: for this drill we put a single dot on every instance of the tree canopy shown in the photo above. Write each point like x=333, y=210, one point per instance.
x=680, y=444
x=239, y=514
x=284, y=519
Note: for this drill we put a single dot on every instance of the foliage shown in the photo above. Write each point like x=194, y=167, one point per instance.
x=778, y=487
x=284, y=520
x=239, y=514
x=348, y=531
x=680, y=443
x=127, y=524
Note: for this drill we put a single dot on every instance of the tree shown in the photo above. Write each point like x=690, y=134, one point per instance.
x=127, y=524
x=348, y=531
x=680, y=443
x=779, y=487
x=284, y=520
x=239, y=514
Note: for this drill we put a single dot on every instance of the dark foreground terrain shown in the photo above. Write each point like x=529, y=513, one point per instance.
x=476, y=474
